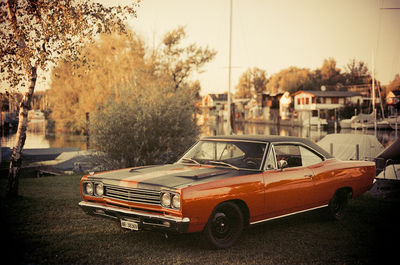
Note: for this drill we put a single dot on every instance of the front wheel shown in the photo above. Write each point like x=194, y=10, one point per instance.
x=224, y=225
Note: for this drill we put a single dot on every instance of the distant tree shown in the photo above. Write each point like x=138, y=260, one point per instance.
x=195, y=88
x=291, y=79
x=394, y=84
x=132, y=98
x=330, y=75
x=181, y=61
x=244, y=89
x=85, y=84
x=260, y=79
x=356, y=72
x=103, y=67
x=251, y=82
x=36, y=33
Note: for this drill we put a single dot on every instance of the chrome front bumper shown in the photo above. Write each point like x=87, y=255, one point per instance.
x=146, y=221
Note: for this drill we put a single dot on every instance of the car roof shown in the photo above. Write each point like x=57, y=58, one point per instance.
x=271, y=139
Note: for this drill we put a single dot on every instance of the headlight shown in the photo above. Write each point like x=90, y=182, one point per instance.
x=166, y=199
x=170, y=200
x=93, y=188
x=176, y=201
x=89, y=188
x=99, y=189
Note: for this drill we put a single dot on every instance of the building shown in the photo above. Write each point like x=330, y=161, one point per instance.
x=393, y=102
x=213, y=106
x=323, y=104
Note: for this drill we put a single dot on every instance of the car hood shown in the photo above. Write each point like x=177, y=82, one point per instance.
x=166, y=176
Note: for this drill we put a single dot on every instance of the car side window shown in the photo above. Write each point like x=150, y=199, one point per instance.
x=308, y=157
x=290, y=153
x=296, y=155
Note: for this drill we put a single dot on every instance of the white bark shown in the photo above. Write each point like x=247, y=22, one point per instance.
x=15, y=159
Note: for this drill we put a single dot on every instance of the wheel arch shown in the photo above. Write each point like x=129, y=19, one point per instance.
x=347, y=189
x=243, y=208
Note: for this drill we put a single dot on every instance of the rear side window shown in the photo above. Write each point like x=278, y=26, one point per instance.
x=308, y=157
x=296, y=155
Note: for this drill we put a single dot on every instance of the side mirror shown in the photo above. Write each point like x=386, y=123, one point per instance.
x=282, y=164
x=380, y=165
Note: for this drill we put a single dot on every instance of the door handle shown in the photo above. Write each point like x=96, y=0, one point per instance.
x=308, y=175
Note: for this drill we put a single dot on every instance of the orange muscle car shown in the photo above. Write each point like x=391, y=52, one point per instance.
x=225, y=183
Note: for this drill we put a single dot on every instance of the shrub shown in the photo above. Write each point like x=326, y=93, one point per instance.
x=151, y=126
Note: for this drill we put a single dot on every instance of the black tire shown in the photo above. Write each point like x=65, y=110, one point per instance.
x=224, y=226
x=338, y=204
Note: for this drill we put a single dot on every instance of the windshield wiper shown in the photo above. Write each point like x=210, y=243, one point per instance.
x=191, y=160
x=223, y=163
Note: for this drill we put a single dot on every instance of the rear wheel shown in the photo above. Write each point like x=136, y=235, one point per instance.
x=338, y=204
x=224, y=225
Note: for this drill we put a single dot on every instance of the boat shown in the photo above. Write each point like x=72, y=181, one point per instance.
x=394, y=122
x=315, y=121
x=381, y=124
x=349, y=146
x=361, y=120
x=345, y=123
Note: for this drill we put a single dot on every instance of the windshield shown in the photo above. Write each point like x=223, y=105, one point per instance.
x=234, y=154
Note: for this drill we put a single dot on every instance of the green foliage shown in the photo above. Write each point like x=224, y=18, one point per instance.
x=395, y=84
x=140, y=112
x=180, y=62
x=251, y=82
x=150, y=126
x=35, y=34
x=291, y=79
x=86, y=84
x=356, y=72
x=38, y=33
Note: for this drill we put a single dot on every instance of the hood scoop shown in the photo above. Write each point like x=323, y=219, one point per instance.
x=140, y=169
x=203, y=174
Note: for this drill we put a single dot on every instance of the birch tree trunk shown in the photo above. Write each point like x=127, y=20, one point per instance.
x=24, y=106
x=16, y=157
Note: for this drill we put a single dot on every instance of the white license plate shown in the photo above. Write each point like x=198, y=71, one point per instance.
x=129, y=225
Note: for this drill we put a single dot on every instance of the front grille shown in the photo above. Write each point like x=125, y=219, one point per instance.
x=132, y=195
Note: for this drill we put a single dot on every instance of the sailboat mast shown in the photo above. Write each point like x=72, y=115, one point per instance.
x=229, y=70
x=373, y=91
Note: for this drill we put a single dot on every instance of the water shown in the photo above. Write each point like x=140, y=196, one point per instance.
x=385, y=137
x=37, y=137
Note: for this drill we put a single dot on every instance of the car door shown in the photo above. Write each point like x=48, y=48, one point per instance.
x=288, y=189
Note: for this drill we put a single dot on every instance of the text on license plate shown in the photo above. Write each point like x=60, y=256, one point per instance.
x=129, y=225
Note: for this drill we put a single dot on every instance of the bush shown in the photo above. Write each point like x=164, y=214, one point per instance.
x=150, y=126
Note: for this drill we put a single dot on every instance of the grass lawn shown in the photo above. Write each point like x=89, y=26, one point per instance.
x=46, y=226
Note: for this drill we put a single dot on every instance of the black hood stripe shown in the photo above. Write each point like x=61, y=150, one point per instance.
x=170, y=176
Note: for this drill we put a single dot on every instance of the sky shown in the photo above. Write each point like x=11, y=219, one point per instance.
x=276, y=34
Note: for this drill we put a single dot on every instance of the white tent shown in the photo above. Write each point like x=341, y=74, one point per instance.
x=344, y=146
